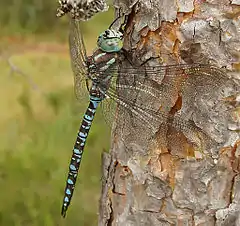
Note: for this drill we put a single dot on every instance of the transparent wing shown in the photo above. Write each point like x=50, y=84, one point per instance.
x=146, y=98
x=179, y=70
x=150, y=118
x=78, y=58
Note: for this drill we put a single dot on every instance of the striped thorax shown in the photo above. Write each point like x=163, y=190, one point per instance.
x=110, y=42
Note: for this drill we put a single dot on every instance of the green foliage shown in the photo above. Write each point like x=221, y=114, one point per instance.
x=24, y=101
x=38, y=130
x=55, y=101
x=34, y=15
x=21, y=17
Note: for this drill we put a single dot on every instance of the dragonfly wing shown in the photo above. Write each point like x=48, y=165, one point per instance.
x=132, y=115
x=203, y=100
x=133, y=118
x=108, y=111
x=78, y=58
x=150, y=96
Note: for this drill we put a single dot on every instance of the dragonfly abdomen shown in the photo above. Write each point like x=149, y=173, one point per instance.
x=78, y=151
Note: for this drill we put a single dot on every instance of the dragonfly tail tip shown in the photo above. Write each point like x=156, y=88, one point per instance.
x=63, y=212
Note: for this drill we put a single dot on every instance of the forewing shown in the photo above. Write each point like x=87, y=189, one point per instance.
x=78, y=58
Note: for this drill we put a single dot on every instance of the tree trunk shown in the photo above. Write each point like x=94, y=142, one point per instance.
x=175, y=183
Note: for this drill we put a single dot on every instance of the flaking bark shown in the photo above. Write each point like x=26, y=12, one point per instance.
x=175, y=184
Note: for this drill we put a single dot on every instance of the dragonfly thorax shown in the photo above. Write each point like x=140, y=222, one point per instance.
x=99, y=63
x=96, y=91
x=110, y=41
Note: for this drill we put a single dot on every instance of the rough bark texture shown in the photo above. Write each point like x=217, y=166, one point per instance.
x=176, y=184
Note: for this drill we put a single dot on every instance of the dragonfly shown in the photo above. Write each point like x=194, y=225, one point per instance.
x=141, y=93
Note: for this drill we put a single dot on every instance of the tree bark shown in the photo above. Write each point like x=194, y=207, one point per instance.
x=176, y=184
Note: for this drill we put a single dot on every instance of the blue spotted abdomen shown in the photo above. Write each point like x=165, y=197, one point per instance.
x=98, y=65
x=78, y=151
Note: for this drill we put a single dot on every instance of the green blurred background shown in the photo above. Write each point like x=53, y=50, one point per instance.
x=40, y=117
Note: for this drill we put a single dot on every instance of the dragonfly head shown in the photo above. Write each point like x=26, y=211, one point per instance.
x=110, y=41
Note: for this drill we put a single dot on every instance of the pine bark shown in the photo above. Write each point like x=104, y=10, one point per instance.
x=176, y=184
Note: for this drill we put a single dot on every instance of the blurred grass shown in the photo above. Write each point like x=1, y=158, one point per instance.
x=38, y=129
x=27, y=17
